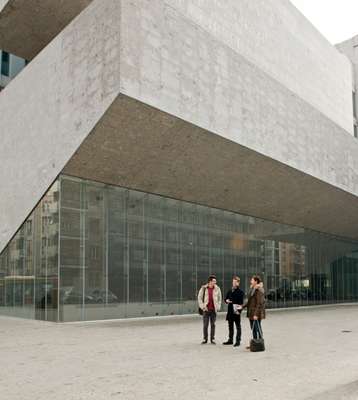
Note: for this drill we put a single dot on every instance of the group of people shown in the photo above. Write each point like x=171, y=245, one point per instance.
x=210, y=300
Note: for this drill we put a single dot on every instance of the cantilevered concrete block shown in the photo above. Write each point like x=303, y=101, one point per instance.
x=162, y=96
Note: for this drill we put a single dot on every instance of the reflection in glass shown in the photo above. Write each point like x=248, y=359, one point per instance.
x=123, y=253
x=29, y=264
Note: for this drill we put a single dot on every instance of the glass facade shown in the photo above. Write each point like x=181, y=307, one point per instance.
x=29, y=264
x=95, y=251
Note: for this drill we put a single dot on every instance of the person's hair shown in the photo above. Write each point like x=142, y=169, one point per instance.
x=236, y=278
x=256, y=278
x=211, y=278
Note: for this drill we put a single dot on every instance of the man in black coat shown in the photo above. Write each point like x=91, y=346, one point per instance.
x=234, y=298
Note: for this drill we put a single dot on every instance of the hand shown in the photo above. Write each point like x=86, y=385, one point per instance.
x=228, y=301
x=239, y=307
x=255, y=318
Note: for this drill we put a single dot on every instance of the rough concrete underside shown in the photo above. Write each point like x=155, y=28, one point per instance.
x=137, y=146
x=308, y=357
x=27, y=26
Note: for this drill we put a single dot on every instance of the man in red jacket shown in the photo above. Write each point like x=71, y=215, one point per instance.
x=209, y=299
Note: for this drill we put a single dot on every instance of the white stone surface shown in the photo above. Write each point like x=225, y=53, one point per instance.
x=308, y=357
x=277, y=38
x=271, y=34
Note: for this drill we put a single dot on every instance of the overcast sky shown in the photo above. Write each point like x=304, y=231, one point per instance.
x=337, y=20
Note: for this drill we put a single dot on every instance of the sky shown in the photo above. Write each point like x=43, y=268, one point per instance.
x=337, y=20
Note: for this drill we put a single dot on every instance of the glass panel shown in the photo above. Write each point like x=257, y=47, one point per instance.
x=29, y=265
x=72, y=257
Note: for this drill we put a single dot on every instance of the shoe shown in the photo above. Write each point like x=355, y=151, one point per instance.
x=228, y=342
x=212, y=341
x=237, y=344
x=247, y=347
x=204, y=342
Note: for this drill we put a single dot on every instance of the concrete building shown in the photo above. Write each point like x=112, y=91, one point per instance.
x=350, y=49
x=156, y=142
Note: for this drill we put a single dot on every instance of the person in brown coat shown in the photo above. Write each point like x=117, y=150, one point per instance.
x=256, y=306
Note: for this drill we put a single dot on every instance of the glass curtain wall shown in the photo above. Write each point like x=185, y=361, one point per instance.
x=116, y=253
x=125, y=253
x=29, y=264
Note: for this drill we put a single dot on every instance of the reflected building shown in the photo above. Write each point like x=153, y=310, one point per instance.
x=29, y=264
x=94, y=251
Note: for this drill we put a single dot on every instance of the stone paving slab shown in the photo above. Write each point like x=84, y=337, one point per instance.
x=308, y=357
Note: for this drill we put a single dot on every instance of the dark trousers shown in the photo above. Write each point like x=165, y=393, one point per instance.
x=237, y=320
x=209, y=316
x=256, y=328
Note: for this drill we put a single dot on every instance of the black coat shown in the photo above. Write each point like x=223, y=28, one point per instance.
x=237, y=297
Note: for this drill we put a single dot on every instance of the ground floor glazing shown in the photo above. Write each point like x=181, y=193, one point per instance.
x=95, y=251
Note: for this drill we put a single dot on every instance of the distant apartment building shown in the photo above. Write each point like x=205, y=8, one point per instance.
x=350, y=49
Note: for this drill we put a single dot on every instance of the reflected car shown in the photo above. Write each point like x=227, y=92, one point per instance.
x=71, y=295
x=100, y=296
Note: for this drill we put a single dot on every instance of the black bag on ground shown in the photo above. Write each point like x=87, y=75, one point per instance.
x=259, y=343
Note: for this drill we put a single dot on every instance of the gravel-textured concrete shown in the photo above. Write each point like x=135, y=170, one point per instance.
x=308, y=357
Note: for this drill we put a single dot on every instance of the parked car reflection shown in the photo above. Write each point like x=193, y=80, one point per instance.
x=71, y=295
x=102, y=296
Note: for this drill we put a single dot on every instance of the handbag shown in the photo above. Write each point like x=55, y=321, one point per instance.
x=257, y=344
x=200, y=310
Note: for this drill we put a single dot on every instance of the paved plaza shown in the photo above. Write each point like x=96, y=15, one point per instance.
x=311, y=354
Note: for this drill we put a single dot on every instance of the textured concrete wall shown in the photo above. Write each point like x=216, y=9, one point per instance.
x=272, y=34
x=52, y=105
x=172, y=63
x=277, y=38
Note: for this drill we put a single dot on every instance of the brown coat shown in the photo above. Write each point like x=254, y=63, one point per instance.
x=256, y=304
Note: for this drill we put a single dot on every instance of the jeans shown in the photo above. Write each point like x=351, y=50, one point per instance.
x=209, y=316
x=237, y=321
x=256, y=328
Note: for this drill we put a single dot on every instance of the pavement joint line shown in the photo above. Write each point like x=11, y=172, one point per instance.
x=163, y=318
